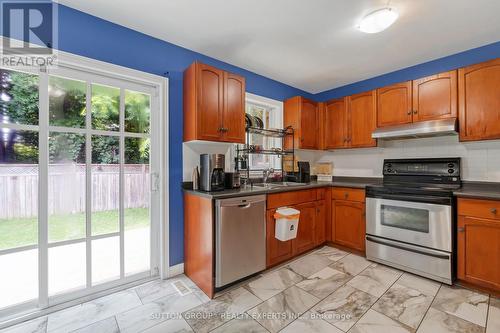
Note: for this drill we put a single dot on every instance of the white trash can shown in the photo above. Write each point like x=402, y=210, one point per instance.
x=287, y=223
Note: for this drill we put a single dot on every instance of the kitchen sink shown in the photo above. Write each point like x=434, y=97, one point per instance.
x=278, y=185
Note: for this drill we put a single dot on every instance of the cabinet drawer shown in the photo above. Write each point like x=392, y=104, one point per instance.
x=349, y=194
x=489, y=209
x=290, y=198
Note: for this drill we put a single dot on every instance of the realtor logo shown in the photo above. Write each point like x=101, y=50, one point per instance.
x=29, y=32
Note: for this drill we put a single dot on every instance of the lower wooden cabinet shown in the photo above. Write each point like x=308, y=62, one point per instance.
x=312, y=224
x=306, y=238
x=276, y=250
x=348, y=218
x=478, y=242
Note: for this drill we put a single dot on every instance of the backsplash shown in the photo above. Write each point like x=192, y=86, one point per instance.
x=480, y=160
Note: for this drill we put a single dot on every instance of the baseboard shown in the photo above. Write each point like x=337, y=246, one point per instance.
x=176, y=270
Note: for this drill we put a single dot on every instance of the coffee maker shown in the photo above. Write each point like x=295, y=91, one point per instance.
x=212, y=172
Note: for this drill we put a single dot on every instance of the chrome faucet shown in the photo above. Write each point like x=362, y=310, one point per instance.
x=267, y=173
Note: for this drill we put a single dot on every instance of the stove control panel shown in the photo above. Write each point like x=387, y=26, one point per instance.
x=444, y=169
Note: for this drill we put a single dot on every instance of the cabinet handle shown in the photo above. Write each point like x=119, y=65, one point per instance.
x=408, y=113
x=415, y=111
x=460, y=229
x=346, y=195
x=493, y=210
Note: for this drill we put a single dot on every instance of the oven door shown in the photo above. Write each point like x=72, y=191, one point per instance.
x=423, y=224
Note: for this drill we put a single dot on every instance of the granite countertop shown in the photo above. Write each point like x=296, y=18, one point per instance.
x=479, y=190
x=353, y=182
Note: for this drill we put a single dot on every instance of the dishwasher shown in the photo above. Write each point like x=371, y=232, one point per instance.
x=240, y=238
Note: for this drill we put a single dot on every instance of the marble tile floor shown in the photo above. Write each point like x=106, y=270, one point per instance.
x=326, y=290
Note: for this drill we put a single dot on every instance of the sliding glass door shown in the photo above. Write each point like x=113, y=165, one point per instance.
x=79, y=165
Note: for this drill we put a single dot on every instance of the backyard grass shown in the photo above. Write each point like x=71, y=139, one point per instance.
x=24, y=231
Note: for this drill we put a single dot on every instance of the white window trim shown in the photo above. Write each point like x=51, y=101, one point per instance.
x=160, y=85
x=277, y=116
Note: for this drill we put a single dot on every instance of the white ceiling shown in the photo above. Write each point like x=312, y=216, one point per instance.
x=309, y=44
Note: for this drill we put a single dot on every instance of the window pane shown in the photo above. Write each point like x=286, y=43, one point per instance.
x=105, y=259
x=66, y=194
x=67, y=102
x=137, y=112
x=18, y=98
x=105, y=184
x=405, y=218
x=67, y=268
x=19, y=277
x=18, y=188
x=136, y=194
x=105, y=108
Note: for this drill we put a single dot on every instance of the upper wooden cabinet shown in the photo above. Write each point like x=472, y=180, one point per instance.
x=335, y=132
x=350, y=121
x=479, y=101
x=435, y=97
x=302, y=114
x=394, y=104
x=214, y=105
x=429, y=98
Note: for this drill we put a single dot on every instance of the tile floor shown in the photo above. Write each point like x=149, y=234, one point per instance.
x=327, y=290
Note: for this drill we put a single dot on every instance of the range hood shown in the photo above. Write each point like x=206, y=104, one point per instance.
x=421, y=129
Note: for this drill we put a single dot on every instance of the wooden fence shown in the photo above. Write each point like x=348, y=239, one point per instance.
x=66, y=188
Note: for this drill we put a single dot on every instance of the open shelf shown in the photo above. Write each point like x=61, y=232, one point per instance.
x=271, y=132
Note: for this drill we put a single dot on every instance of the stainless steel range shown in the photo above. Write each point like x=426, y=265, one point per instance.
x=410, y=219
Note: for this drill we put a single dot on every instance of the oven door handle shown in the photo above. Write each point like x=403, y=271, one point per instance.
x=406, y=248
x=413, y=198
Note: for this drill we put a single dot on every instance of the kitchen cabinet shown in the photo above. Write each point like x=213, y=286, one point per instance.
x=303, y=115
x=276, y=250
x=336, y=132
x=430, y=98
x=350, y=121
x=214, y=105
x=435, y=97
x=311, y=231
x=478, y=242
x=362, y=119
x=394, y=104
x=479, y=101
x=348, y=218
x=306, y=233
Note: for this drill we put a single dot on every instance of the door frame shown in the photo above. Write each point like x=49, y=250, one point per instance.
x=26, y=311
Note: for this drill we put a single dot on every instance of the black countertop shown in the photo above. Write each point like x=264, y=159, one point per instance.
x=479, y=190
x=353, y=182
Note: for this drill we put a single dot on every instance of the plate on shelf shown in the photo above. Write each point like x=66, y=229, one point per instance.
x=248, y=120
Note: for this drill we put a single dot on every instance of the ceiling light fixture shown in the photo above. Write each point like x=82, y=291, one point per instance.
x=378, y=20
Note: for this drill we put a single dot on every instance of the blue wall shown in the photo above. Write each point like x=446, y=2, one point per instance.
x=448, y=63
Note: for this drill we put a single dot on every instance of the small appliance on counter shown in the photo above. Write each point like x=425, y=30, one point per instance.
x=232, y=180
x=304, y=175
x=212, y=172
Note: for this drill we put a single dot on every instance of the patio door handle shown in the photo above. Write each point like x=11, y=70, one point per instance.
x=155, y=182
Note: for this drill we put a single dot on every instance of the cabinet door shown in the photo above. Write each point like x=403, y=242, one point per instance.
x=335, y=134
x=233, y=117
x=479, y=101
x=435, y=97
x=308, y=124
x=362, y=119
x=210, y=102
x=305, y=233
x=349, y=222
x=320, y=232
x=394, y=104
x=479, y=251
x=276, y=250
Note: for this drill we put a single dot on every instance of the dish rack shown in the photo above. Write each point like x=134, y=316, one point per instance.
x=243, y=151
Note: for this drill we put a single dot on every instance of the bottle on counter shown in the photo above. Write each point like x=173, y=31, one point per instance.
x=195, y=178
